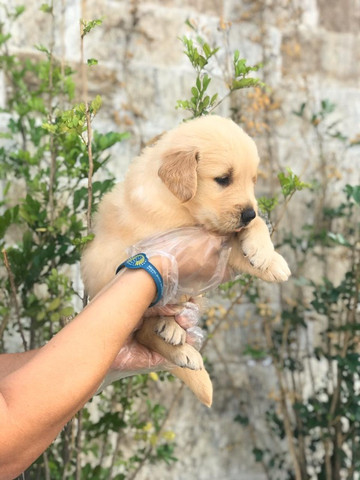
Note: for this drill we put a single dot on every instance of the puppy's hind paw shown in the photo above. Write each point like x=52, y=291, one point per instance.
x=170, y=331
x=186, y=356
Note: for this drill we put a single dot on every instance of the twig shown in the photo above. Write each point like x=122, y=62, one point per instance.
x=84, y=82
x=166, y=419
x=250, y=426
x=46, y=466
x=14, y=297
x=78, y=445
x=78, y=441
x=50, y=108
x=68, y=447
x=227, y=312
x=284, y=408
x=282, y=213
x=3, y=325
x=91, y=168
x=120, y=434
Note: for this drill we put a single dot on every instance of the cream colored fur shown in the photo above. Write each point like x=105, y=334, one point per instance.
x=172, y=184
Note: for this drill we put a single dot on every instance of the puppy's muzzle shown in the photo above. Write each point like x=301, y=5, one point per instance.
x=247, y=216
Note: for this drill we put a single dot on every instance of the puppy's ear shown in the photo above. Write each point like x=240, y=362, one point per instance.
x=178, y=172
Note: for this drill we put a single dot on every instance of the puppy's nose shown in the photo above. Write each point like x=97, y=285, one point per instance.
x=247, y=215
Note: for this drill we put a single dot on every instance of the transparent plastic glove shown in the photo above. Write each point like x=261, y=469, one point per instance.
x=195, y=337
x=193, y=261
x=134, y=358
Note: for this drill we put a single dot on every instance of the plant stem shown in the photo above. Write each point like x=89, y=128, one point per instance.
x=78, y=445
x=14, y=298
x=284, y=407
x=91, y=169
x=50, y=110
x=84, y=82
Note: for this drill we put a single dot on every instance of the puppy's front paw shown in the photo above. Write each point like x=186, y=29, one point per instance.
x=186, y=356
x=278, y=270
x=170, y=331
x=259, y=253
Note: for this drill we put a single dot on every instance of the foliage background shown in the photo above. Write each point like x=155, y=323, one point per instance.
x=307, y=119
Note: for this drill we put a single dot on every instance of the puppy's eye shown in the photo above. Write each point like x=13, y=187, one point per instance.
x=223, y=181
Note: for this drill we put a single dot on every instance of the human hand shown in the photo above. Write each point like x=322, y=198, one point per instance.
x=193, y=261
x=187, y=316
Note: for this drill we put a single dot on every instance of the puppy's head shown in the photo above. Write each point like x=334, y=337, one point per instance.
x=210, y=165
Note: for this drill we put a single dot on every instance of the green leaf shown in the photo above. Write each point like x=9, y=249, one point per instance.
x=46, y=8
x=92, y=61
x=95, y=104
x=327, y=106
x=206, y=81
x=207, y=50
x=300, y=112
x=19, y=10
x=353, y=192
x=42, y=48
x=195, y=92
x=206, y=102
x=66, y=311
x=240, y=67
x=246, y=83
x=49, y=127
x=242, y=420
x=266, y=204
x=201, y=61
x=189, y=24
x=213, y=99
x=4, y=38
x=88, y=26
x=54, y=317
x=54, y=304
x=9, y=217
x=104, y=141
x=258, y=454
x=255, y=353
x=290, y=183
x=339, y=239
x=83, y=240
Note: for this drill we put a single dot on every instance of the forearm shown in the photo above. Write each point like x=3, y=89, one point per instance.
x=42, y=395
x=9, y=362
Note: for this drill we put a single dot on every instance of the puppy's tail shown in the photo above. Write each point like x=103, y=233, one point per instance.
x=198, y=381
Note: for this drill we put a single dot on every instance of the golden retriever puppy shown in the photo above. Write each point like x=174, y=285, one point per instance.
x=201, y=173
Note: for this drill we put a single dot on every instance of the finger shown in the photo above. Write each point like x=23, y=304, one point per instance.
x=134, y=357
x=169, y=310
x=195, y=337
x=189, y=315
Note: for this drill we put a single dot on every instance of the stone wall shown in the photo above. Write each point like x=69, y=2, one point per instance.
x=311, y=51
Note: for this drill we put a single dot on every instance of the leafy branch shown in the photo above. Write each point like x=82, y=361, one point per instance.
x=200, y=54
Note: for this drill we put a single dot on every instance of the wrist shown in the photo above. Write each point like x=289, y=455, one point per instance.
x=140, y=261
x=167, y=266
x=160, y=263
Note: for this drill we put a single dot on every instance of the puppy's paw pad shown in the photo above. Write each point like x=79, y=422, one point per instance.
x=170, y=331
